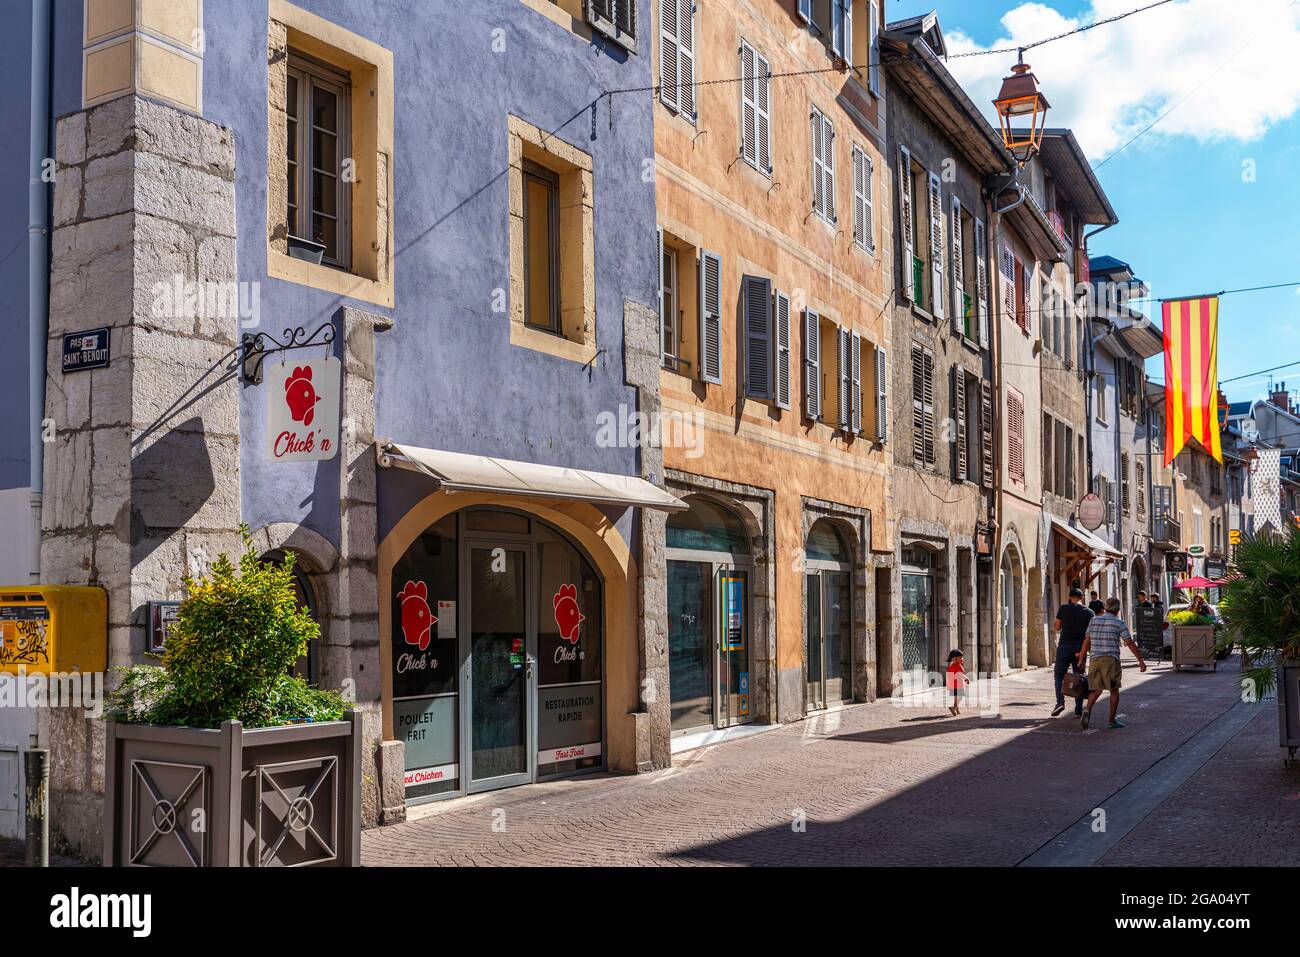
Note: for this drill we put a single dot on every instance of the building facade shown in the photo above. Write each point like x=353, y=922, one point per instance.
x=773, y=201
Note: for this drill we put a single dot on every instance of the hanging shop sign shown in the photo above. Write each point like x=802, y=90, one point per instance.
x=85, y=350
x=303, y=409
x=1092, y=511
x=1176, y=562
x=1215, y=568
x=1196, y=551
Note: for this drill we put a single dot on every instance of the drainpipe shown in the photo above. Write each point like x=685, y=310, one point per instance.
x=38, y=259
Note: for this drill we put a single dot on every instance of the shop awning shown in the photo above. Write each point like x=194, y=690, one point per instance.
x=459, y=472
x=1085, y=539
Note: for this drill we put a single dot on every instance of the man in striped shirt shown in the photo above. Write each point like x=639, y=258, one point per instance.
x=1105, y=634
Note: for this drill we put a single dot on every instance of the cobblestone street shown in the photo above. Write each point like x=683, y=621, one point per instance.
x=879, y=784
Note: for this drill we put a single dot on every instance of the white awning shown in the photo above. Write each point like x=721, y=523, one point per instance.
x=459, y=472
x=1084, y=539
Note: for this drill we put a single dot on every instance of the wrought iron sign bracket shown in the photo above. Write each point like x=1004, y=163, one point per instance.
x=255, y=347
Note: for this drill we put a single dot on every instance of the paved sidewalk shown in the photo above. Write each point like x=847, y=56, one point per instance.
x=881, y=784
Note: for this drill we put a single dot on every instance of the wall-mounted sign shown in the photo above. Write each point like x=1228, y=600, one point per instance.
x=302, y=421
x=163, y=616
x=1092, y=511
x=1215, y=568
x=1196, y=551
x=1176, y=562
x=1234, y=536
x=85, y=350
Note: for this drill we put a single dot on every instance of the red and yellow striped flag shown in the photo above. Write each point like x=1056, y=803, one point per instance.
x=1192, y=375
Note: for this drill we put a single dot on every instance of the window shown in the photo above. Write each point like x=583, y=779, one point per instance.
x=552, y=246
x=1071, y=473
x=832, y=22
x=755, y=121
x=923, y=451
x=1048, y=433
x=841, y=383
x=316, y=105
x=864, y=226
x=615, y=20
x=823, y=165
x=671, y=325
x=1101, y=397
x=1063, y=479
x=677, y=56
x=1016, y=436
x=541, y=247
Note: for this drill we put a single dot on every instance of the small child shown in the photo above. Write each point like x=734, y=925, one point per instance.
x=957, y=680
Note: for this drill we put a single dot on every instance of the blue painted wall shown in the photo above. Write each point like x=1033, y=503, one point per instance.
x=448, y=377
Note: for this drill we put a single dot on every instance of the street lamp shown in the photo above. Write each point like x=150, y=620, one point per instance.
x=1018, y=100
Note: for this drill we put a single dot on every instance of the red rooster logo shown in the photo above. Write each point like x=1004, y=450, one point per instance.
x=417, y=619
x=301, y=395
x=567, y=614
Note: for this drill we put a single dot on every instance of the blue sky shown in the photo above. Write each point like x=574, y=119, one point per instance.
x=1192, y=219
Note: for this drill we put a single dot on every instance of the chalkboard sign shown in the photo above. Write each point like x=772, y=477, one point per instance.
x=1149, y=625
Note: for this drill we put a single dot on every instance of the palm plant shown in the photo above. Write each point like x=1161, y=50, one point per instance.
x=1261, y=602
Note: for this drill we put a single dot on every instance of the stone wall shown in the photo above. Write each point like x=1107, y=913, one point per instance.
x=142, y=483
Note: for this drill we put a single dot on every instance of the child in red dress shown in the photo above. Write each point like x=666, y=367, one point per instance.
x=957, y=680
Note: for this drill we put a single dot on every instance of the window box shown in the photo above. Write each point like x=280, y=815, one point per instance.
x=306, y=250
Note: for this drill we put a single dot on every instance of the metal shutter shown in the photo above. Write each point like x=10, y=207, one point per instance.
x=757, y=302
x=710, y=317
x=812, y=364
x=882, y=396
x=782, y=311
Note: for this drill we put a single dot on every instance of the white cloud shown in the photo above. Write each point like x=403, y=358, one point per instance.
x=1108, y=83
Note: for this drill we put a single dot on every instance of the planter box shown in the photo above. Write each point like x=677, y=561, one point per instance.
x=288, y=796
x=1194, y=645
x=1288, y=707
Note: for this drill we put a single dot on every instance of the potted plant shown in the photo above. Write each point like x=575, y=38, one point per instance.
x=1193, y=639
x=222, y=757
x=1261, y=612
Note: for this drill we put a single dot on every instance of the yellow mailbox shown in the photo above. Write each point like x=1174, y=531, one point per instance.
x=53, y=628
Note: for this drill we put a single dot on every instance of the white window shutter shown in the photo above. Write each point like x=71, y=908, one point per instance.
x=868, y=215
x=686, y=57
x=763, y=130
x=907, y=219
x=757, y=301
x=848, y=32
x=748, y=105
x=855, y=385
x=669, y=81
x=845, y=371
x=837, y=27
x=982, y=283
x=937, y=252
x=1009, y=283
x=815, y=131
x=959, y=416
x=859, y=213
x=812, y=364
x=710, y=317
x=882, y=395
x=781, y=307
x=958, y=269
x=828, y=167
x=1029, y=298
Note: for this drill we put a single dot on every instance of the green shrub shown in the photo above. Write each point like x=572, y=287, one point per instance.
x=1186, y=617
x=1261, y=601
x=236, y=636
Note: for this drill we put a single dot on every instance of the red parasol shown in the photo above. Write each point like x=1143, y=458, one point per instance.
x=1198, y=582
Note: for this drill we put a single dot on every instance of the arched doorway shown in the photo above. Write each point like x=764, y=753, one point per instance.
x=828, y=617
x=709, y=617
x=306, y=666
x=497, y=638
x=1011, y=609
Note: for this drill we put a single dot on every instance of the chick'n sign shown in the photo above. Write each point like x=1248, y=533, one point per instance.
x=302, y=422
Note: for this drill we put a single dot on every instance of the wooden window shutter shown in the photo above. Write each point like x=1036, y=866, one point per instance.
x=930, y=456
x=662, y=353
x=748, y=105
x=906, y=220
x=859, y=206
x=1009, y=283
x=686, y=56
x=986, y=433
x=855, y=384
x=812, y=364
x=816, y=129
x=959, y=416
x=1124, y=482
x=982, y=282
x=882, y=395
x=1016, y=438
x=844, y=369
x=937, y=253
x=1140, y=480
x=918, y=404
x=828, y=168
x=763, y=124
x=782, y=310
x=868, y=209
x=710, y=317
x=958, y=269
x=669, y=80
x=757, y=299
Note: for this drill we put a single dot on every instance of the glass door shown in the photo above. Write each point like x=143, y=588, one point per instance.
x=692, y=648
x=733, y=646
x=916, y=622
x=837, y=637
x=499, y=668
x=813, y=651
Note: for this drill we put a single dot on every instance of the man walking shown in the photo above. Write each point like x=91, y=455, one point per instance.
x=1105, y=633
x=1071, y=625
x=1095, y=606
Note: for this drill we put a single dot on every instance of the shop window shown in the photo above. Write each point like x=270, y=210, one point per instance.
x=330, y=142
x=707, y=527
x=552, y=254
